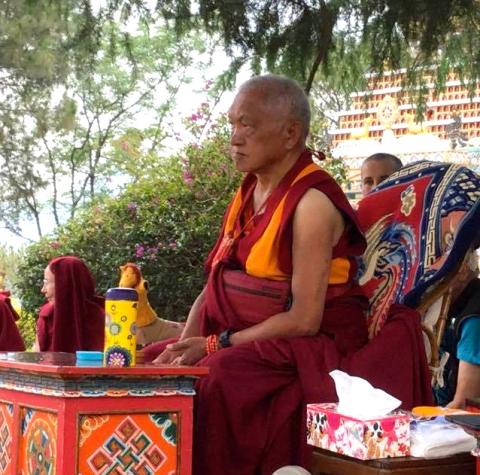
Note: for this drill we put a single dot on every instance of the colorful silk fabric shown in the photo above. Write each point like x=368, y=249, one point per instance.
x=76, y=319
x=419, y=225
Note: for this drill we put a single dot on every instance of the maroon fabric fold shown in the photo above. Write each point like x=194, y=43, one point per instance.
x=45, y=327
x=255, y=395
x=395, y=359
x=76, y=320
x=10, y=338
x=250, y=411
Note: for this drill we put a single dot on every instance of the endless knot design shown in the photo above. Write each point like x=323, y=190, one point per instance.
x=128, y=450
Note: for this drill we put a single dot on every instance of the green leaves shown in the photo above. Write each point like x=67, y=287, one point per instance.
x=63, y=144
x=166, y=223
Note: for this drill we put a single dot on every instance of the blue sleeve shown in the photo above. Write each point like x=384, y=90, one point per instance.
x=468, y=348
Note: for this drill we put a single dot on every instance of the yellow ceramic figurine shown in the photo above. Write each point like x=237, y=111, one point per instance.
x=150, y=327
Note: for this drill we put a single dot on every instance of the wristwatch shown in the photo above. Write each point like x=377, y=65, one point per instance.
x=224, y=338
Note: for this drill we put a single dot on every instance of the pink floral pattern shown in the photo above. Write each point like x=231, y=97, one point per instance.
x=388, y=436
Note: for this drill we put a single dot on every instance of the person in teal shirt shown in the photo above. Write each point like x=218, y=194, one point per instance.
x=462, y=341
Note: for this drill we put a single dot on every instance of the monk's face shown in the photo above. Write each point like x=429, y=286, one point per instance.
x=373, y=172
x=48, y=288
x=259, y=131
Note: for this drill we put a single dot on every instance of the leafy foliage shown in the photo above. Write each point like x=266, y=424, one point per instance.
x=9, y=259
x=67, y=142
x=27, y=327
x=45, y=38
x=304, y=38
x=165, y=223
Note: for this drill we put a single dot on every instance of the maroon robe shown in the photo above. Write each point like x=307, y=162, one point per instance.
x=250, y=409
x=10, y=338
x=76, y=319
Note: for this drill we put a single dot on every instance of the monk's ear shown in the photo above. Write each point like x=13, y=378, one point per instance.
x=293, y=133
x=122, y=268
x=145, y=284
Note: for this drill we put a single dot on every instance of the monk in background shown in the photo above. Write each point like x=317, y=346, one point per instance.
x=73, y=318
x=377, y=168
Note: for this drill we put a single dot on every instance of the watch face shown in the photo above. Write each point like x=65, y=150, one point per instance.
x=224, y=338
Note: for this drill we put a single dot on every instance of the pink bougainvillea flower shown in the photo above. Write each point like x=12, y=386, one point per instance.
x=152, y=253
x=139, y=250
x=187, y=177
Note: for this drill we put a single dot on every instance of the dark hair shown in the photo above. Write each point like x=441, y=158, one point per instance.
x=394, y=161
x=280, y=88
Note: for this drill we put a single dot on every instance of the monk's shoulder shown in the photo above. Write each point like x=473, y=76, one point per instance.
x=317, y=210
x=315, y=201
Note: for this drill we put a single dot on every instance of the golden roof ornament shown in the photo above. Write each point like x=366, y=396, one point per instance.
x=387, y=111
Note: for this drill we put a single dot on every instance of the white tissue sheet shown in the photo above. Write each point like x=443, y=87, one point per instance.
x=357, y=398
x=438, y=438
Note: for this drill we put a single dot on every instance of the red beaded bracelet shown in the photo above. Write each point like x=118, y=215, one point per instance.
x=211, y=344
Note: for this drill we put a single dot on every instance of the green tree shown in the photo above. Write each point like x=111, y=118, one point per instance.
x=61, y=146
x=298, y=38
x=45, y=38
x=9, y=260
x=338, y=38
x=166, y=223
x=43, y=41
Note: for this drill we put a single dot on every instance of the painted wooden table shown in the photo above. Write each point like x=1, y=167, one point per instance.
x=330, y=463
x=63, y=419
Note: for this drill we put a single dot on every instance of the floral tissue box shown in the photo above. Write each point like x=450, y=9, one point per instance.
x=387, y=436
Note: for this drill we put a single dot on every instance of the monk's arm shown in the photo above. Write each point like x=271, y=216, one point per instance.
x=468, y=384
x=317, y=227
x=36, y=345
x=192, y=326
x=175, y=352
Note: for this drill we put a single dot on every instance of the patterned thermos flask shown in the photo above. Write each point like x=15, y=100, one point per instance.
x=120, y=327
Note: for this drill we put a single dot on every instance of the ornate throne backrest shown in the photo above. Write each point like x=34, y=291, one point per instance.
x=420, y=223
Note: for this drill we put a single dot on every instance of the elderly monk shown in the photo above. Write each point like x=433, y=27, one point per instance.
x=280, y=306
x=73, y=318
x=10, y=338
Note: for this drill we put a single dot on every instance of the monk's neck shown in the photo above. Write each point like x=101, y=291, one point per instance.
x=268, y=180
